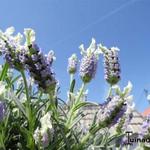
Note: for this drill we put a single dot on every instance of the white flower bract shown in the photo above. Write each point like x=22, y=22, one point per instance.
x=2, y=88
x=30, y=35
x=46, y=121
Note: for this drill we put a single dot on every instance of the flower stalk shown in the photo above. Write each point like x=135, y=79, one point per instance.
x=29, y=113
x=71, y=112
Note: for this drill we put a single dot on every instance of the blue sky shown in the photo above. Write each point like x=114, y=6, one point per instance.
x=62, y=25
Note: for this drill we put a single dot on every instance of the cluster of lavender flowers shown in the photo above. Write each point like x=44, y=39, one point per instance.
x=88, y=66
x=39, y=67
x=111, y=63
x=115, y=108
x=28, y=56
x=89, y=62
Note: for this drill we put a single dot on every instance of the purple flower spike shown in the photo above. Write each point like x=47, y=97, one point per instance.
x=39, y=67
x=10, y=47
x=111, y=64
x=72, y=64
x=88, y=66
x=112, y=67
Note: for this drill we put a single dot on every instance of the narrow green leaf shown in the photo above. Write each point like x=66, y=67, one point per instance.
x=4, y=71
x=115, y=137
x=79, y=105
x=72, y=86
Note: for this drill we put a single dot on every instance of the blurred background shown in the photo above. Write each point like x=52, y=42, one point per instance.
x=62, y=25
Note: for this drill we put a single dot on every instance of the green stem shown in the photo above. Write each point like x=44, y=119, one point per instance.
x=88, y=135
x=26, y=85
x=71, y=78
x=85, y=138
x=110, y=91
x=3, y=136
x=4, y=71
x=28, y=109
x=29, y=112
x=81, y=92
x=76, y=102
x=53, y=104
x=2, y=146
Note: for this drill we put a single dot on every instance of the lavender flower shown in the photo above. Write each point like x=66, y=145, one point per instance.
x=123, y=123
x=113, y=110
x=10, y=47
x=89, y=62
x=13, y=57
x=42, y=137
x=117, y=106
x=2, y=110
x=45, y=133
x=39, y=67
x=119, y=114
x=72, y=64
x=111, y=63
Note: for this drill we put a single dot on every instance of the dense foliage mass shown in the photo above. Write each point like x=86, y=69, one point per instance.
x=33, y=116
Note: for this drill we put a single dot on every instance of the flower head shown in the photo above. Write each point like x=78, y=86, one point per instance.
x=28, y=56
x=72, y=64
x=117, y=106
x=37, y=135
x=10, y=47
x=45, y=133
x=111, y=63
x=39, y=67
x=88, y=66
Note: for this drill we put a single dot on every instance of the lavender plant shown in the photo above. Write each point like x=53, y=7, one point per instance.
x=33, y=116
